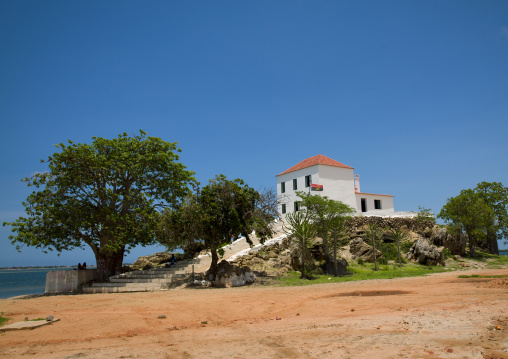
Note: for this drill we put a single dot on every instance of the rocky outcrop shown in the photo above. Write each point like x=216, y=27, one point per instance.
x=273, y=260
x=426, y=253
x=230, y=275
x=151, y=261
x=456, y=243
x=360, y=249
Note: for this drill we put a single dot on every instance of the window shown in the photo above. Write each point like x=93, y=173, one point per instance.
x=377, y=204
x=297, y=206
x=364, y=205
x=295, y=185
x=283, y=187
x=284, y=208
x=308, y=181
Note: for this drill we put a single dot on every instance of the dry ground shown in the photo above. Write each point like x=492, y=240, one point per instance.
x=437, y=316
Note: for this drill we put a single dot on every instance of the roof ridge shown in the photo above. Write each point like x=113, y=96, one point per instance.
x=313, y=161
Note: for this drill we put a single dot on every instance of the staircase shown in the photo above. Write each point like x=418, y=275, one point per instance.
x=150, y=280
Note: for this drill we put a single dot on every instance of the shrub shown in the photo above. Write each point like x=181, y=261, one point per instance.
x=361, y=262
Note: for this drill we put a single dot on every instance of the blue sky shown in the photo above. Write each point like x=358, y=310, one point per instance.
x=413, y=94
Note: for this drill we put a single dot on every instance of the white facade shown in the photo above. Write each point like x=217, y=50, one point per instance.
x=338, y=181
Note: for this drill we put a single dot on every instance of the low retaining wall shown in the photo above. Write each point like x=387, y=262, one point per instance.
x=69, y=281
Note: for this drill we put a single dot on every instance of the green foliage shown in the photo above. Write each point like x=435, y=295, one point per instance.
x=447, y=253
x=496, y=197
x=425, y=214
x=3, y=320
x=469, y=214
x=219, y=212
x=399, y=236
x=361, y=262
x=106, y=195
x=382, y=261
x=303, y=233
x=329, y=218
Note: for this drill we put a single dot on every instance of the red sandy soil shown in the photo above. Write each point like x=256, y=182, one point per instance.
x=437, y=316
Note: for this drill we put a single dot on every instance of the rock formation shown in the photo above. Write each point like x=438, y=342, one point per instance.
x=151, y=261
x=360, y=249
x=426, y=253
x=230, y=275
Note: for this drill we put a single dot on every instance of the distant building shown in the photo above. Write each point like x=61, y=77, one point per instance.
x=330, y=178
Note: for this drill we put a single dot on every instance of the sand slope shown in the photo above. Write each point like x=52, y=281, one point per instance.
x=438, y=316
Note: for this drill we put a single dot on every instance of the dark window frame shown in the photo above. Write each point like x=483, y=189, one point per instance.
x=295, y=184
x=283, y=208
x=283, y=187
x=308, y=180
x=377, y=204
x=297, y=206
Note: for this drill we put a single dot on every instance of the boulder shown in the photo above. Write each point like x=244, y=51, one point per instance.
x=426, y=253
x=360, y=249
x=456, y=243
x=229, y=275
x=342, y=267
x=152, y=260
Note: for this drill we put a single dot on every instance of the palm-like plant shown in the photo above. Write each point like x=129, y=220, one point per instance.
x=300, y=226
x=398, y=236
x=373, y=232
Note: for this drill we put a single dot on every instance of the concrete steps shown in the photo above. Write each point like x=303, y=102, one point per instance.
x=144, y=280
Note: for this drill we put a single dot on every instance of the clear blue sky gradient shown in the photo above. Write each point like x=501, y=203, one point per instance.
x=413, y=94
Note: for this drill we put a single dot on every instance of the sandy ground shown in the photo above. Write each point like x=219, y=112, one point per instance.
x=437, y=316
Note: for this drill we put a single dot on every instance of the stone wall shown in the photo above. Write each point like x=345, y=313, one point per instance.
x=412, y=224
x=69, y=281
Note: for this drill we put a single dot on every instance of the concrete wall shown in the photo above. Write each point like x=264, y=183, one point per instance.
x=69, y=281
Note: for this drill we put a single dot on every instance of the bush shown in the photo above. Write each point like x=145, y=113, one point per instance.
x=361, y=262
x=382, y=261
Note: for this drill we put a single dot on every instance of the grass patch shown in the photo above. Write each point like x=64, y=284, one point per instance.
x=362, y=272
x=3, y=320
x=35, y=320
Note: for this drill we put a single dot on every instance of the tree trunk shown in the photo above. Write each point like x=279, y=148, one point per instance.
x=109, y=263
x=212, y=271
x=398, y=252
x=336, y=274
x=492, y=243
x=374, y=252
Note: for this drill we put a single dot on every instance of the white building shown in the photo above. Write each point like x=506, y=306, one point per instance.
x=338, y=182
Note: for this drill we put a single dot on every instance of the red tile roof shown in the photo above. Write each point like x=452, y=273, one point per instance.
x=313, y=161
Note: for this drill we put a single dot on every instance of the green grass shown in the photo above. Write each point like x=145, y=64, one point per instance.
x=34, y=320
x=3, y=320
x=363, y=272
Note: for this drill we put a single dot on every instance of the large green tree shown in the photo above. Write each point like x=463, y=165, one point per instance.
x=107, y=195
x=328, y=216
x=218, y=213
x=495, y=196
x=468, y=213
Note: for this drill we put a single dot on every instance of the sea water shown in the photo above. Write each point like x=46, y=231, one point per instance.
x=14, y=282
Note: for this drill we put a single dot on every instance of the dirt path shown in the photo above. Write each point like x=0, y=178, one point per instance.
x=438, y=316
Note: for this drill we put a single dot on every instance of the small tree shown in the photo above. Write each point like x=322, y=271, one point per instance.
x=328, y=216
x=469, y=214
x=303, y=232
x=106, y=195
x=398, y=236
x=373, y=232
x=494, y=195
x=218, y=213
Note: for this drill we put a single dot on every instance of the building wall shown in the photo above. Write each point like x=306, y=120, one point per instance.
x=386, y=203
x=338, y=184
x=289, y=197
